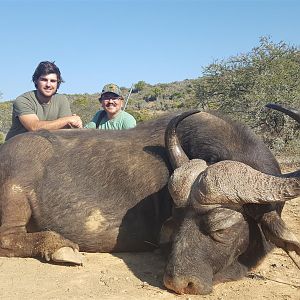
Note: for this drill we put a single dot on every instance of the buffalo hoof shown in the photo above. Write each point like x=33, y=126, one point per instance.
x=67, y=255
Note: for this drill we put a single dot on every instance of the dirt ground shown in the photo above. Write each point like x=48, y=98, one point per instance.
x=139, y=276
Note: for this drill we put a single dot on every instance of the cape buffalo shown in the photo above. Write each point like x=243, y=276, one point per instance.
x=226, y=211
x=107, y=191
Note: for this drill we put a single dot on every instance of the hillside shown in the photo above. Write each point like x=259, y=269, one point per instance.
x=153, y=100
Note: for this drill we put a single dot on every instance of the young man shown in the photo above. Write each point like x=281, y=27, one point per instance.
x=112, y=116
x=43, y=108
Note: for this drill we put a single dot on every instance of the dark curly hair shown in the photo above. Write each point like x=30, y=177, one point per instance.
x=46, y=68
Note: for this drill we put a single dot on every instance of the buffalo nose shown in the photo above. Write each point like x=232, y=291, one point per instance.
x=186, y=285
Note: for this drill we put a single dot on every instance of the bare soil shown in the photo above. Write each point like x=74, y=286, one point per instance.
x=139, y=276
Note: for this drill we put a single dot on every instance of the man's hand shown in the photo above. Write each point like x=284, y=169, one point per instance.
x=75, y=121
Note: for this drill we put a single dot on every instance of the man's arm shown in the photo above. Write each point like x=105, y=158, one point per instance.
x=93, y=122
x=32, y=123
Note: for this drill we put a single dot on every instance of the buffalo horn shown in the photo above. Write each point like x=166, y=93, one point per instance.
x=231, y=182
x=183, y=178
x=175, y=152
x=293, y=113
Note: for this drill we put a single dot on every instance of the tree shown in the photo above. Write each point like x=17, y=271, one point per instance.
x=157, y=92
x=245, y=83
x=140, y=86
x=269, y=73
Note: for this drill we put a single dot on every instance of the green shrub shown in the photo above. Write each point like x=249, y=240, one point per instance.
x=142, y=115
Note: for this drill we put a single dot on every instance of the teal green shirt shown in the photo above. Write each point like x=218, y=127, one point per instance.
x=122, y=120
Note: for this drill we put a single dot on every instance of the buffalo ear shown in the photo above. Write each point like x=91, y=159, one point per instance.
x=277, y=232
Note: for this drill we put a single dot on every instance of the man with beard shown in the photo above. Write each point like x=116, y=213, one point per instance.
x=43, y=108
x=112, y=116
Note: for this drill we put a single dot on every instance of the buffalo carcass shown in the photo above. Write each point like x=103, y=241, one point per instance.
x=107, y=192
x=226, y=212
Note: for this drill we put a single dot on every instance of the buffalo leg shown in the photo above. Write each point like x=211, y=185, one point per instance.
x=15, y=241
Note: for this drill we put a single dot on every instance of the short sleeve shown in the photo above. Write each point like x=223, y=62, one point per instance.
x=22, y=106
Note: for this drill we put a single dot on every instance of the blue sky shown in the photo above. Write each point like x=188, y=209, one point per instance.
x=125, y=41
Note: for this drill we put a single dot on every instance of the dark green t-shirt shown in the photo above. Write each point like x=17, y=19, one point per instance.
x=28, y=103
